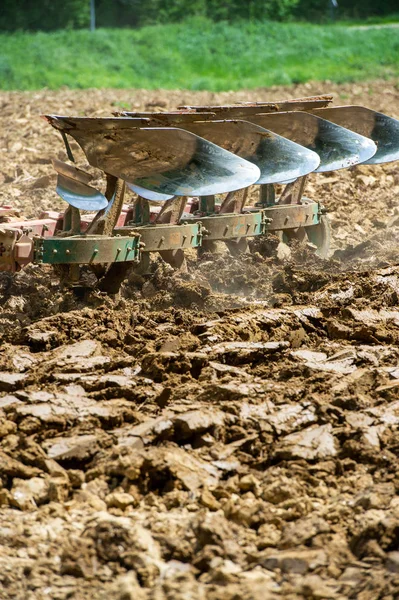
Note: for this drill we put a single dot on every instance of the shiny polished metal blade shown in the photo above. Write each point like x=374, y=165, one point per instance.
x=337, y=147
x=278, y=159
x=148, y=194
x=380, y=128
x=72, y=187
x=79, y=195
x=168, y=161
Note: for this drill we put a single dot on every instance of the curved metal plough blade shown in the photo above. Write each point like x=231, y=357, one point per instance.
x=380, y=128
x=168, y=161
x=148, y=194
x=72, y=187
x=337, y=147
x=278, y=159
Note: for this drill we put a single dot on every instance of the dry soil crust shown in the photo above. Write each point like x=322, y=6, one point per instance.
x=226, y=434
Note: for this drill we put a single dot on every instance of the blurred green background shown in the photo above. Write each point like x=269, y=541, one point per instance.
x=195, y=44
x=47, y=15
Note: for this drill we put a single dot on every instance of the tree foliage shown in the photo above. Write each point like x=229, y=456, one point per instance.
x=137, y=12
x=45, y=15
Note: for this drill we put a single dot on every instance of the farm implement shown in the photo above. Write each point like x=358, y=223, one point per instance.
x=191, y=171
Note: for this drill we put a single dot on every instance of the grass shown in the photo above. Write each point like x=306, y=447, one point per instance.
x=198, y=55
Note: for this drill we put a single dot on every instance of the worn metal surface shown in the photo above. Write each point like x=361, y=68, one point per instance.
x=171, y=211
x=16, y=245
x=247, y=108
x=173, y=117
x=337, y=147
x=267, y=195
x=291, y=216
x=86, y=249
x=320, y=236
x=293, y=192
x=230, y=226
x=234, y=202
x=71, y=222
x=164, y=160
x=249, y=224
x=8, y=238
x=383, y=130
x=156, y=238
x=23, y=251
x=16, y=249
x=43, y=227
x=105, y=220
x=206, y=205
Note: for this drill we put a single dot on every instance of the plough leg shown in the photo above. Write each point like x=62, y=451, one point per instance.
x=293, y=192
x=234, y=203
x=171, y=213
x=110, y=278
x=69, y=274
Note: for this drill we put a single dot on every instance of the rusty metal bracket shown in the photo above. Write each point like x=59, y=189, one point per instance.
x=292, y=216
x=86, y=249
x=232, y=226
x=156, y=238
x=8, y=238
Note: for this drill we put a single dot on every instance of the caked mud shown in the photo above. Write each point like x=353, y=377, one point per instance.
x=229, y=433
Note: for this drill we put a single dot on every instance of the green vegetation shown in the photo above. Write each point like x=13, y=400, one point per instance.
x=392, y=19
x=198, y=55
x=47, y=15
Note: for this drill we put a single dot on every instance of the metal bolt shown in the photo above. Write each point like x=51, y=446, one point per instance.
x=55, y=251
x=67, y=252
x=95, y=251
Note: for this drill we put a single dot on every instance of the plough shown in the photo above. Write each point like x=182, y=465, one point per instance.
x=191, y=170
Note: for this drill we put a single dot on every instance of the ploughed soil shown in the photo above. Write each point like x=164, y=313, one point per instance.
x=229, y=433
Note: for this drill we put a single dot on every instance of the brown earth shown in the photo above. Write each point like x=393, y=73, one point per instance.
x=227, y=434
